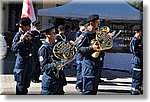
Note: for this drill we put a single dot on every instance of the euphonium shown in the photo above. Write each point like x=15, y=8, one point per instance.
x=104, y=40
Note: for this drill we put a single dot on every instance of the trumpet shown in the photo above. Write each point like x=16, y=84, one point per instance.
x=105, y=42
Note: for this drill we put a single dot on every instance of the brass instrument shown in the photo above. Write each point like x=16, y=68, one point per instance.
x=66, y=51
x=105, y=41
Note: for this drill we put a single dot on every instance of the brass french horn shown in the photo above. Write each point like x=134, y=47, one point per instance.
x=63, y=50
x=66, y=51
x=105, y=42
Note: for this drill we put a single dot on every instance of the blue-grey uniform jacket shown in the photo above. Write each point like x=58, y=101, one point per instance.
x=24, y=49
x=90, y=65
x=86, y=49
x=136, y=48
x=24, y=63
x=50, y=83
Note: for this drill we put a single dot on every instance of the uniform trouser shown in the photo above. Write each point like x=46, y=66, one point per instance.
x=101, y=66
x=50, y=86
x=90, y=80
x=22, y=75
x=137, y=79
x=79, y=75
x=36, y=69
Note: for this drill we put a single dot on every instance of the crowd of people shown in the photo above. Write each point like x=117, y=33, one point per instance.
x=35, y=57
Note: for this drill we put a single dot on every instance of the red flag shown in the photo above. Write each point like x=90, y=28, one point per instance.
x=28, y=10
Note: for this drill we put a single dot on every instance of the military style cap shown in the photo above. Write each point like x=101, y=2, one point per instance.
x=137, y=28
x=25, y=21
x=92, y=17
x=36, y=23
x=47, y=27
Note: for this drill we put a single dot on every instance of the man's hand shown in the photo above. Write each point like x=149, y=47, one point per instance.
x=72, y=42
x=96, y=47
x=59, y=64
x=21, y=38
x=110, y=35
x=25, y=36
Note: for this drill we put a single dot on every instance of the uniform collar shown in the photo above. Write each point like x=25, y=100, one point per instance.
x=47, y=44
x=22, y=32
x=36, y=30
x=89, y=32
x=63, y=37
x=137, y=37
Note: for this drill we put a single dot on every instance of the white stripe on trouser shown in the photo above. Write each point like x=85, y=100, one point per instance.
x=137, y=69
x=134, y=89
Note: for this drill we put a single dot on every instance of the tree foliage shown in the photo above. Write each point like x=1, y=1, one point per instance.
x=137, y=4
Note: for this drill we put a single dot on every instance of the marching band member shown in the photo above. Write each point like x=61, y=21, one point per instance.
x=36, y=45
x=79, y=58
x=51, y=84
x=22, y=46
x=90, y=65
x=136, y=48
x=61, y=35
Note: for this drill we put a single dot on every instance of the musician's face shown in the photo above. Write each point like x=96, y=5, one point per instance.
x=52, y=34
x=97, y=23
x=38, y=27
x=61, y=31
x=139, y=33
x=26, y=28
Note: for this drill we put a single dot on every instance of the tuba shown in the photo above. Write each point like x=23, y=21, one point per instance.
x=105, y=42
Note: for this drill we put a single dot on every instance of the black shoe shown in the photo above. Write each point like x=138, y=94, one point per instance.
x=78, y=89
x=134, y=93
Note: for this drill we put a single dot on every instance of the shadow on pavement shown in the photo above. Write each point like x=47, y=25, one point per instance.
x=108, y=83
x=114, y=91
